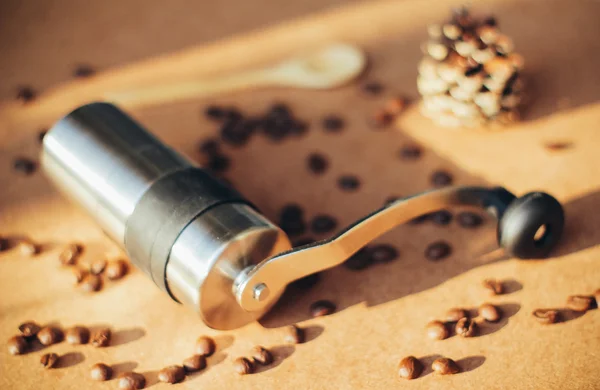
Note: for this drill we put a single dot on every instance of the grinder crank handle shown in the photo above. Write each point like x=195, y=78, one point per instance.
x=520, y=222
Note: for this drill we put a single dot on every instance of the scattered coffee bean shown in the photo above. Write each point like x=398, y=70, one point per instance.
x=317, y=163
x=70, y=254
x=438, y=250
x=79, y=274
x=410, y=368
x=380, y=119
x=445, y=366
x=306, y=282
x=205, y=346
x=49, y=360
x=237, y=133
x=441, y=179
x=466, y=327
x=100, y=372
x=382, y=253
x=77, y=335
x=495, y=286
x=322, y=224
x=261, y=355
x=17, y=345
x=29, y=329
x=322, y=308
x=171, y=374
x=395, y=106
x=209, y=146
x=469, y=219
x=42, y=134
x=25, y=93
x=91, y=283
x=489, y=312
x=101, y=338
x=194, y=363
x=98, y=266
x=214, y=112
x=546, y=316
x=83, y=71
x=24, y=165
x=291, y=220
x=580, y=303
x=442, y=217
x=218, y=163
x=348, y=183
x=360, y=260
x=294, y=335
x=243, y=366
x=372, y=88
x=410, y=152
x=333, y=123
x=436, y=330
x=131, y=381
x=49, y=335
x=455, y=314
x=116, y=269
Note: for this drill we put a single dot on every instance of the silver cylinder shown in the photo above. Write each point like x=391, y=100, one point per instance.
x=204, y=233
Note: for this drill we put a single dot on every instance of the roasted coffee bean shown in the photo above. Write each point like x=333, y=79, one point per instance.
x=171, y=374
x=442, y=217
x=25, y=93
x=360, y=260
x=322, y=224
x=489, y=312
x=101, y=372
x=546, y=316
x=438, y=250
x=24, y=165
x=469, y=219
x=243, y=366
x=441, y=179
x=17, y=345
x=580, y=303
x=348, y=183
x=214, y=112
x=495, y=286
x=261, y=355
x=218, y=163
x=293, y=227
x=70, y=254
x=131, y=381
x=49, y=360
x=306, y=282
x=410, y=368
x=101, y=338
x=194, y=363
x=317, y=163
x=382, y=253
x=49, y=335
x=29, y=329
x=235, y=133
x=410, y=152
x=77, y=335
x=380, y=119
x=42, y=134
x=209, y=147
x=395, y=106
x=436, y=330
x=116, y=269
x=322, y=308
x=333, y=123
x=205, y=346
x=83, y=71
x=372, y=88
x=291, y=211
x=280, y=109
x=98, y=266
x=79, y=274
x=466, y=327
x=91, y=283
x=455, y=314
x=445, y=366
x=294, y=335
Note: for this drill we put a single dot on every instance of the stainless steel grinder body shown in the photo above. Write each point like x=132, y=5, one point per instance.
x=191, y=233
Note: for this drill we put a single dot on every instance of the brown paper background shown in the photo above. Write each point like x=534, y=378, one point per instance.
x=382, y=310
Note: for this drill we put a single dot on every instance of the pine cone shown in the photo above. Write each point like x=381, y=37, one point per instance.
x=469, y=75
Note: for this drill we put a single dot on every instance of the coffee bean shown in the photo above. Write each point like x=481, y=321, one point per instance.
x=438, y=250
x=243, y=366
x=70, y=254
x=194, y=363
x=42, y=134
x=322, y=224
x=306, y=282
x=98, y=266
x=100, y=372
x=29, y=329
x=90, y=283
x=469, y=219
x=218, y=163
x=348, y=183
x=48, y=360
x=442, y=217
x=395, y=106
x=77, y=335
x=372, y=88
x=291, y=220
x=294, y=335
x=441, y=179
x=49, y=335
x=116, y=269
x=131, y=381
x=333, y=123
x=24, y=165
x=489, y=312
x=380, y=119
x=101, y=338
x=17, y=345
x=382, y=253
x=83, y=71
x=317, y=163
x=291, y=211
x=205, y=346
x=261, y=355
x=436, y=330
x=445, y=366
x=322, y=308
x=171, y=374
x=466, y=327
x=410, y=368
x=209, y=147
x=546, y=316
x=455, y=314
x=214, y=112
x=580, y=303
x=410, y=152
x=495, y=286
x=25, y=93
x=79, y=274
x=360, y=260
